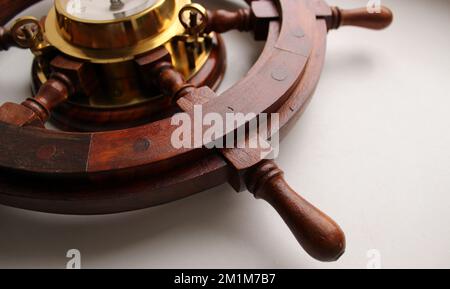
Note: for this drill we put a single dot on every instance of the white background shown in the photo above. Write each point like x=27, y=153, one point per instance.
x=372, y=150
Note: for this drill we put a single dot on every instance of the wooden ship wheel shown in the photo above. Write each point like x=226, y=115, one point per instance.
x=110, y=74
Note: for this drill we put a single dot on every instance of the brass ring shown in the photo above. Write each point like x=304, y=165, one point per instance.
x=197, y=8
x=22, y=40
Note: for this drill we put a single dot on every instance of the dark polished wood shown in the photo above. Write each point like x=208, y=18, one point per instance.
x=72, y=116
x=318, y=234
x=161, y=155
x=53, y=93
x=82, y=75
x=170, y=81
x=221, y=21
x=361, y=18
x=36, y=111
x=114, y=171
x=119, y=153
x=6, y=40
x=19, y=115
x=9, y=8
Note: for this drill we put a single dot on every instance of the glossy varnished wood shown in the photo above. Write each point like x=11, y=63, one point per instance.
x=360, y=17
x=37, y=110
x=112, y=159
x=10, y=8
x=318, y=234
x=6, y=40
x=162, y=156
x=75, y=117
x=221, y=21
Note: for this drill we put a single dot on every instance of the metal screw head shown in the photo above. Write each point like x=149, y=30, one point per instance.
x=194, y=18
x=27, y=32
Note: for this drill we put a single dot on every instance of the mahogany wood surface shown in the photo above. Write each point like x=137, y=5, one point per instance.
x=18, y=115
x=318, y=234
x=110, y=170
x=75, y=117
x=221, y=21
x=161, y=155
x=262, y=85
x=10, y=8
x=360, y=17
x=37, y=110
x=53, y=93
x=6, y=40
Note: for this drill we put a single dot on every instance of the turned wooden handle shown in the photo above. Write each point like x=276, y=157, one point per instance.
x=361, y=17
x=317, y=233
x=52, y=93
x=36, y=111
x=222, y=21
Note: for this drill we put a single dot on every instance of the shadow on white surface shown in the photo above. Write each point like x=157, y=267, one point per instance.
x=372, y=150
x=148, y=238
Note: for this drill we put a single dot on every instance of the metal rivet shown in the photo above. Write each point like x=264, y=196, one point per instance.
x=141, y=145
x=46, y=152
x=279, y=74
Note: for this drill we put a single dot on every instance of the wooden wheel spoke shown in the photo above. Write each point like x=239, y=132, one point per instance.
x=137, y=167
x=361, y=17
x=36, y=111
x=6, y=39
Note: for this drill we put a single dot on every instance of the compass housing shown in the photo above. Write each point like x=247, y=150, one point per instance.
x=73, y=172
x=115, y=40
x=103, y=52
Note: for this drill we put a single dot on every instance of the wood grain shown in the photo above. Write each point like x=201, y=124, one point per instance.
x=9, y=8
x=105, y=172
x=317, y=233
x=6, y=40
x=221, y=21
x=360, y=17
x=175, y=179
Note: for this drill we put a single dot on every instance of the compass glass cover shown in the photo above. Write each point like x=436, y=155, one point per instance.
x=104, y=10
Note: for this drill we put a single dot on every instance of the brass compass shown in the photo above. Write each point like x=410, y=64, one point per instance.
x=109, y=39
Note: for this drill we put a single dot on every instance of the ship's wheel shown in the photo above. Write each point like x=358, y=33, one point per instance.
x=111, y=76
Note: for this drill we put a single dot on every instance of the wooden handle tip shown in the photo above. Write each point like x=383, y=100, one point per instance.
x=361, y=17
x=317, y=233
